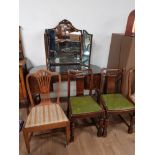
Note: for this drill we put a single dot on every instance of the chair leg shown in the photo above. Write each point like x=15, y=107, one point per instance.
x=68, y=111
x=130, y=129
x=68, y=133
x=72, y=130
x=99, y=133
x=105, y=123
x=26, y=138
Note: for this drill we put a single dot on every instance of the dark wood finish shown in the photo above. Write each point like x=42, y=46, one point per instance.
x=130, y=27
x=64, y=77
x=22, y=87
x=80, y=77
x=43, y=78
x=131, y=84
x=112, y=80
x=122, y=55
x=23, y=96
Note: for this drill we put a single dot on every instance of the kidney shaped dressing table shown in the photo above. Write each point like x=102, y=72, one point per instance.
x=62, y=71
x=67, y=47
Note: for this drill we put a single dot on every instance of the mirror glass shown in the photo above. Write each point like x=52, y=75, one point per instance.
x=67, y=47
x=65, y=44
x=87, y=43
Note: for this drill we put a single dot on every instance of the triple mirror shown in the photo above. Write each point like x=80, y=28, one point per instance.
x=67, y=47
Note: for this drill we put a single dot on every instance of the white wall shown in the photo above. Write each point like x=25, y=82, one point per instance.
x=99, y=17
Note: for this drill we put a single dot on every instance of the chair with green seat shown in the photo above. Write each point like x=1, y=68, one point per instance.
x=113, y=100
x=83, y=106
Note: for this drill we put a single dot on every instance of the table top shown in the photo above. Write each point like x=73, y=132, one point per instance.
x=63, y=69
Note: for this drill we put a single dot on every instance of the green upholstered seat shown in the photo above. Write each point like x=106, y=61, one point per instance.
x=116, y=102
x=83, y=104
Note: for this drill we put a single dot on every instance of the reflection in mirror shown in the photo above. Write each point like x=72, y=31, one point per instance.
x=64, y=44
x=67, y=47
x=87, y=44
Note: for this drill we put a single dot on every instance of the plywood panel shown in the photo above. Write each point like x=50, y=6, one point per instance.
x=122, y=55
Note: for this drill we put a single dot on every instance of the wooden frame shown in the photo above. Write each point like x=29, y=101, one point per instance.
x=78, y=76
x=23, y=96
x=91, y=37
x=131, y=78
x=110, y=79
x=57, y=29
x=64, y=77
x=43, y=78
x=27, y=137
x=58, y=35
x=130, y=27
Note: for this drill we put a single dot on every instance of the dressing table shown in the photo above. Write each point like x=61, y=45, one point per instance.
x=62, y=69
x=67, y=47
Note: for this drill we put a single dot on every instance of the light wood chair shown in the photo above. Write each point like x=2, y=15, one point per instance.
x=46, y=115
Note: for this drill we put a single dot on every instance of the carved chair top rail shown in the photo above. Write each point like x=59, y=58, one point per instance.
x=111, y=80
x=78, y=75
x=68, y=24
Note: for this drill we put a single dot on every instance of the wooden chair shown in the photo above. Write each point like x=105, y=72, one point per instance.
x=131, y=84
x=47, y=114
x=82, y=106
x=113, y=100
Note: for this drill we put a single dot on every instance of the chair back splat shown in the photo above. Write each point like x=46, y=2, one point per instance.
x=111, y=81
x=43, y=78
x=83, y=78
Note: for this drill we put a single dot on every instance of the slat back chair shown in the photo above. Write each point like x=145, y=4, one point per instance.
x=112, y=98
x=83, y=106
x=112, y=80
x=43, y=78
x=82, y=77
x=46, y=115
